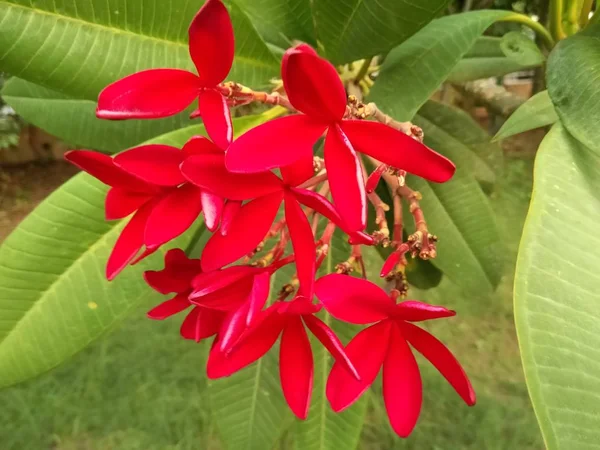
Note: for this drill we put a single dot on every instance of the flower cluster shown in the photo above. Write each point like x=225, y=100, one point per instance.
x=239, y=186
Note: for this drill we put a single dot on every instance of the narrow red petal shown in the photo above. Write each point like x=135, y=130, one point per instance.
x=353, y=300
x=200, y=145
x=367, y=351
x=103, y=168
x=216, y=117
x=402, y=388
x=173, y=215
x=398, y=150
x=443, y=360
x=149, y=94
x=374, y=178
x=209, y=282
x=233, y=327
x=279, y=142
x=227, y=299
x=415, y=311
x=201, y=323
x=121, y=202
x=211, y=42
x=209, y=172
x=389, y=264
x=258, y=295
x=331, y=342
x=177, y=275
x=156, y=164
x=212, y=207
x=251, y=225
x=231, y=209
x=298, y=172
x=129, y=242
x=313, y=85
x=296, y=367
x=345, y=179
x=256, y=342
x=170, y=307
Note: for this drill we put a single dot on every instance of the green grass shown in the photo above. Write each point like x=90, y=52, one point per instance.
x=143, y=388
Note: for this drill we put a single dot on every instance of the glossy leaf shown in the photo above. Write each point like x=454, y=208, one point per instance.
x=572, y=78
x=493, y=57
x=536, y=112
x=74, y=120
x=356, y=29
x=78, y=48
x=557, y=292
x=410, y=75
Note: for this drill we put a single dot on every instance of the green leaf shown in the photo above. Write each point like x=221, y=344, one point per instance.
x=74, y=120
x=497, y=56
x=536, y=112
x=280, y=22
x=358, y=29
x=572, y=76
x=413, y=71
x=557, y=292
x=78, y=49
x=458, y=211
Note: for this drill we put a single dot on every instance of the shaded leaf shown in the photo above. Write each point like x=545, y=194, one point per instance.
x=557, y=292
x=536, y=112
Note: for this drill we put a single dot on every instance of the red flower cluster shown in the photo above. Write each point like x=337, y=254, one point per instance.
x=165, y=189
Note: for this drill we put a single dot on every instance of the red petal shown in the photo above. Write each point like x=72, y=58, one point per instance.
x=201, y=323
x=103, y=168
x=170, y=307
x=313, y=86
x=156, y=164
x=389, y=264
x=331, y=342
x=231, y=209
x=258, y=295
x=298, y=172
x=279, y=142
x=209, y=172
x=360, y=238
x=374, y=178
x=200, y=145
x=173, y=215
x=212, y=207
x=211, y=42
x=227, y=299
x=149, y=94
x=209, y=282
x=303, y=243
x=129, y=242
x=121, y=202
x=233, y=327
x=296, y=367
x=402, y=388
x=250, y=227
x=320, y=204
x=353, y=299
x=415, y=311
x=345, y=179
x=256, y=342
x=398, y=150
x=367, y=351
x=442, y=359
x=177, y=275
x=216, y=117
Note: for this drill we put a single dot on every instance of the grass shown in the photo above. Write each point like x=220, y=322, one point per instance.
x=142, y=387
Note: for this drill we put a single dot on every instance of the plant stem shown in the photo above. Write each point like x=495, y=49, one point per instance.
x=364, y=70
x=571, y=19
x=556, y=11
x=535, y=26
x=595, y=18
x=584, y=15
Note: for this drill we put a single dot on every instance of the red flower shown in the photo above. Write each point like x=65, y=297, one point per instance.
x=386, y=344
x=296, y=368
x=314, y=88
x=147, y=180
x=254, y=219
x=177, y=278
x=158, y=93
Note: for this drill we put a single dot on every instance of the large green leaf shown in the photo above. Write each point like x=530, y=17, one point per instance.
x=536, y=112
x=469, y=250
x=356, y=29
x=415, y=69
x=78, y=48
x=74, y=120
x=281, y=21
x=557, y=293
x=493, y=57
x=573, y=72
